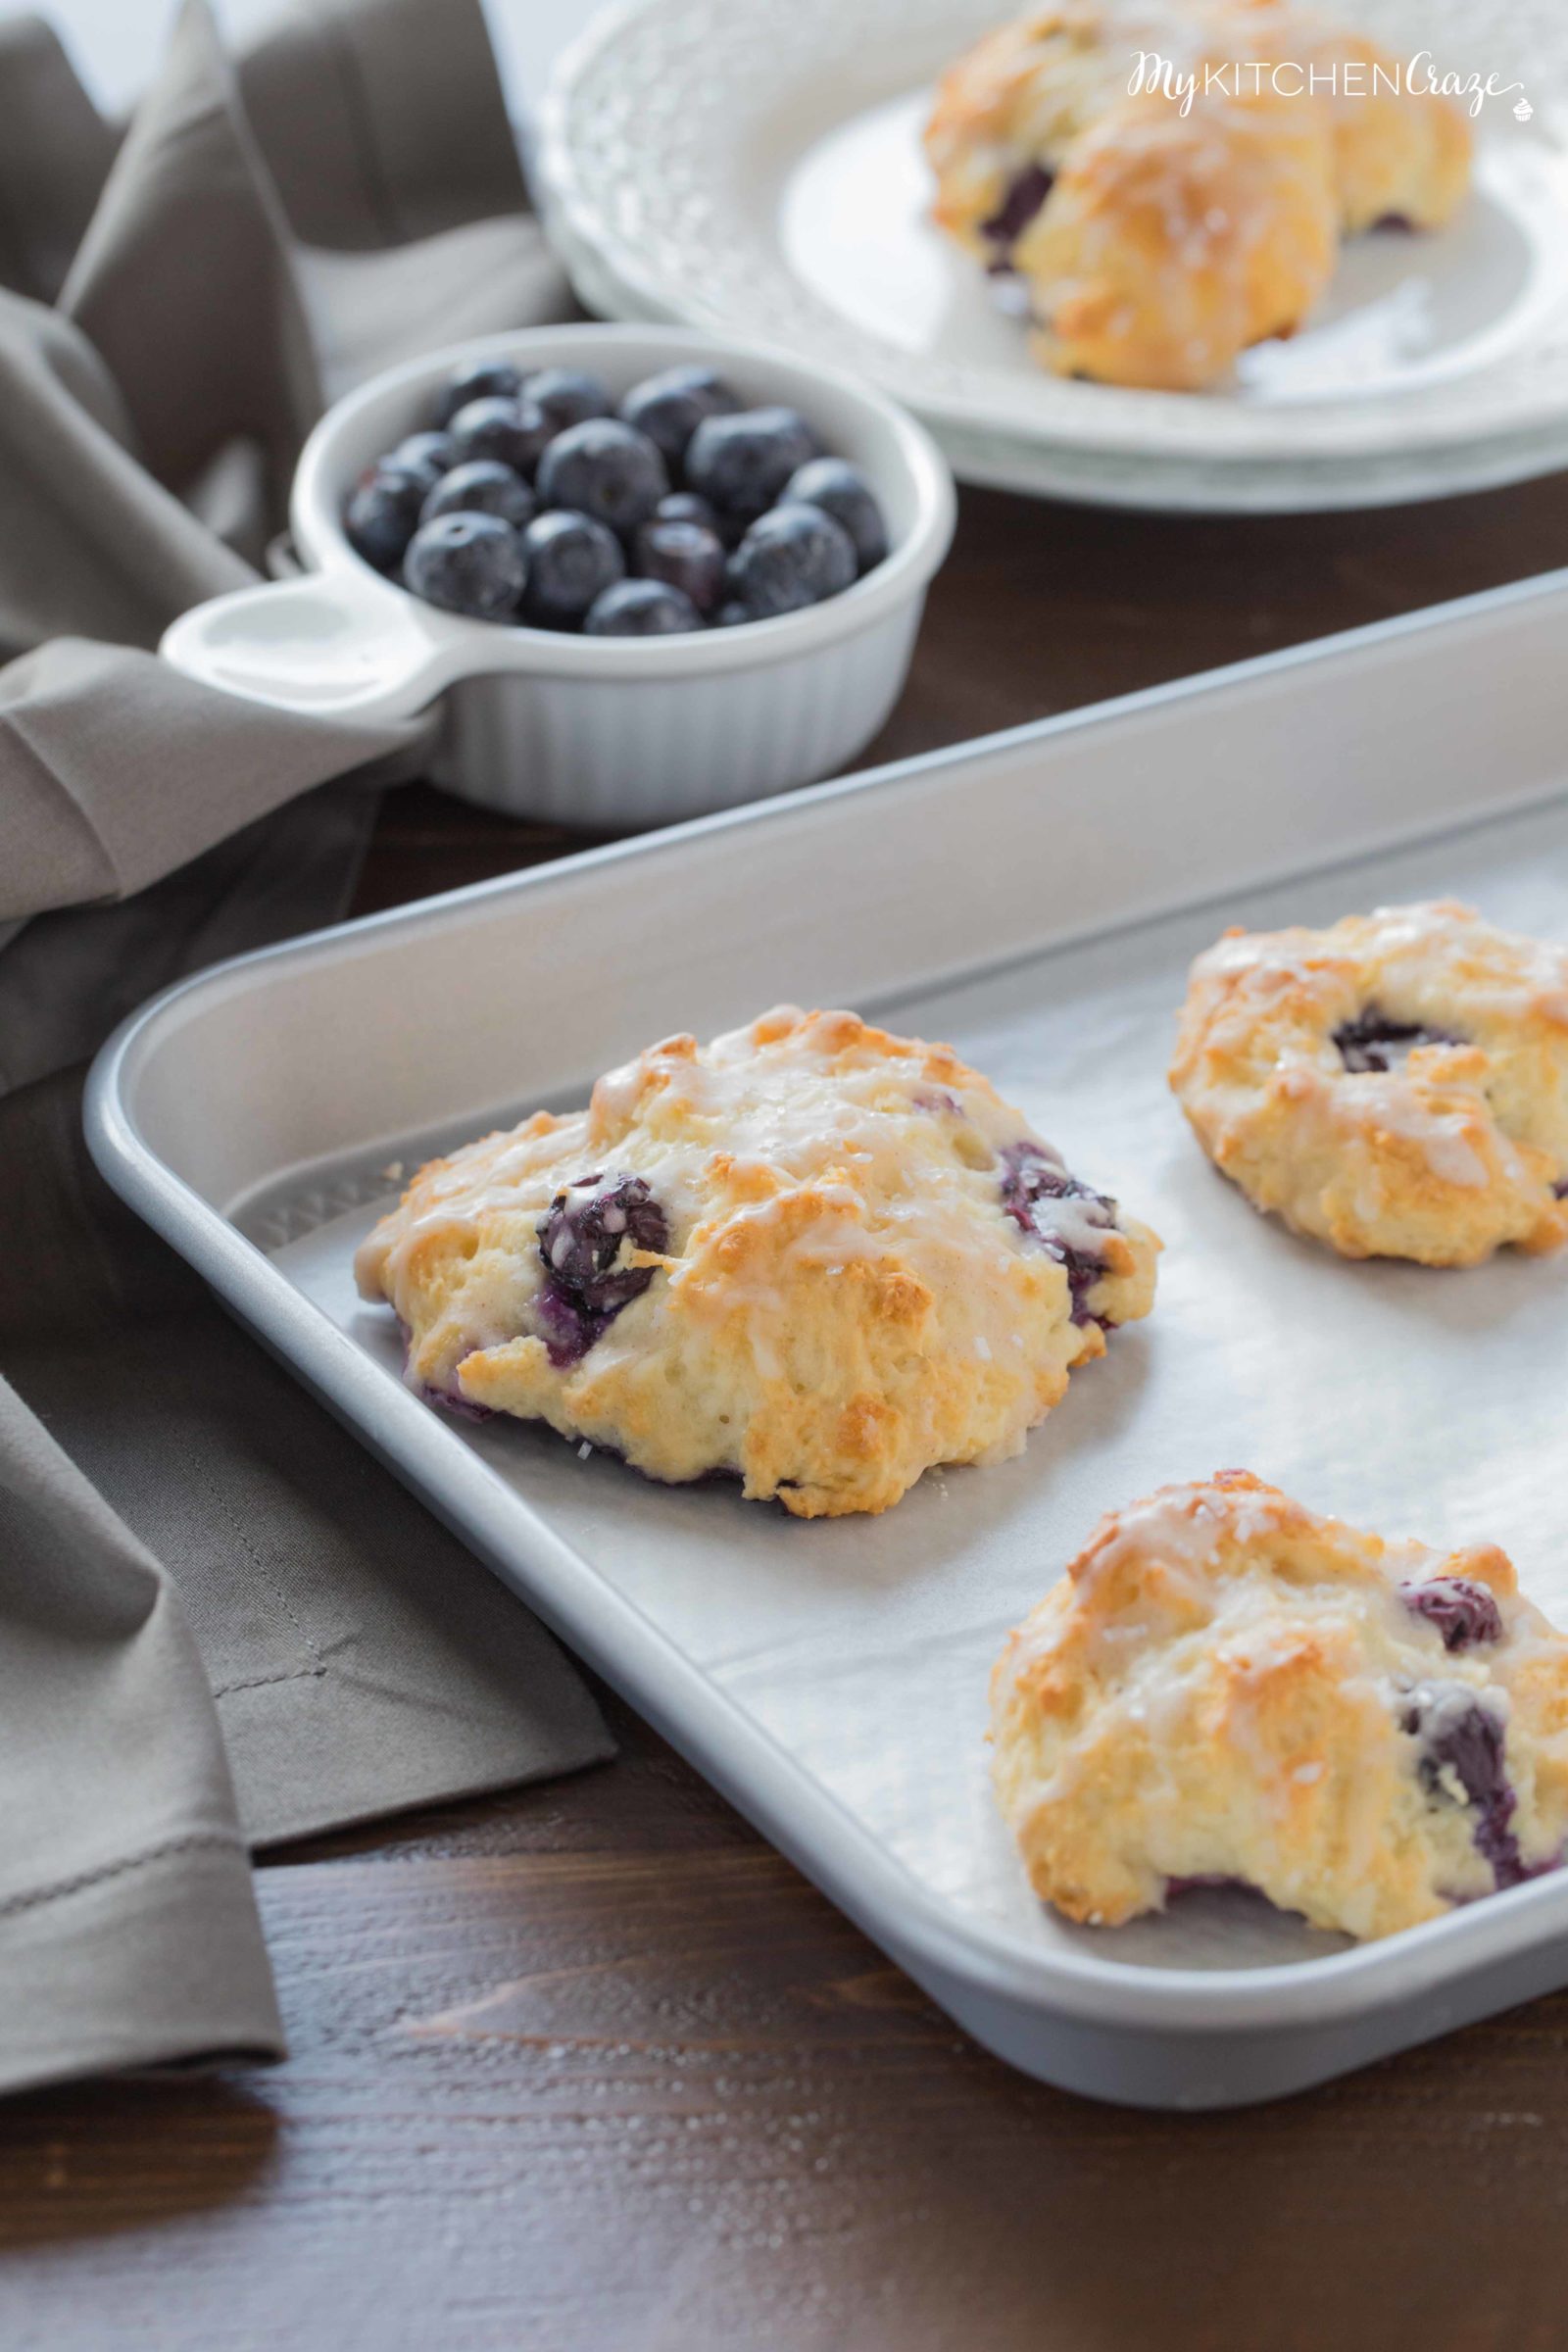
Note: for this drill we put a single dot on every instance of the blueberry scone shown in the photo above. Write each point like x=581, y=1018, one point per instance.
x=1006, y=112
x=1172, y=242
x=1395, y=1086
x=1225, y=1688
x=1402, y=157
x=1153, y=240
x=811, y=1254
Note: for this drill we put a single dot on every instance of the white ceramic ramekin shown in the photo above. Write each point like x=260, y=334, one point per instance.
x=602, y=731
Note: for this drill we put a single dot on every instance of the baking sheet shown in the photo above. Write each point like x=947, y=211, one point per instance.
x=1408, y=1401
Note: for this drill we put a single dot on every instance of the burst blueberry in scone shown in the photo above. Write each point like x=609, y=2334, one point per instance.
x=1395, y=1086
x=1225, y=1688
x=1152, y=241
x=812, y=1255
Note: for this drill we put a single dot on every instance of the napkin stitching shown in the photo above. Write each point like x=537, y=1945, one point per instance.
x=255, y=1682
x=247, y=1544
x=193, y=1840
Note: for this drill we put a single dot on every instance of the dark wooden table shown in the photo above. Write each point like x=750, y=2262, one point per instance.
x=589, y=2069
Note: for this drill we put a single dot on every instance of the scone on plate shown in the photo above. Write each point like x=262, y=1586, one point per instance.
x=1172, y=242
x=811, y=1254
x=1225, y=1688
x=1402, y=157
x=1395, y=1086
x=1154, y=240
x=1006, y=112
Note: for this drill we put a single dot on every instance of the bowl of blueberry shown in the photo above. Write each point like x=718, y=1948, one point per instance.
x=644, y=573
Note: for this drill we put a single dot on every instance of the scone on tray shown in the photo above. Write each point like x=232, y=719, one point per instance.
x=1153, y=239
x=1395, y=1086
x=1225, y=1688
x=811, y=1254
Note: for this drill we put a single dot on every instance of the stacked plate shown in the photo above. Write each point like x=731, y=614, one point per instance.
x=757, y=170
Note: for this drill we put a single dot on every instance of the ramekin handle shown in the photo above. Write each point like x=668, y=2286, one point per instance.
x=330, y=642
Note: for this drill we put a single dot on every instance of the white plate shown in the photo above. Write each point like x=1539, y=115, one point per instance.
x=738, y=165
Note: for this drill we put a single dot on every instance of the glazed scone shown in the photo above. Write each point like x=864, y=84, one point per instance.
x=1006, y=112
x=1226, y=1688
x=1395, y=1086
x=812, y=1255
x=1155, y=257
x=1173, y=242
x=1402, y=158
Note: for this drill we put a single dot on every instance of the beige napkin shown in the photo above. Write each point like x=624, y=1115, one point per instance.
x=176, y=306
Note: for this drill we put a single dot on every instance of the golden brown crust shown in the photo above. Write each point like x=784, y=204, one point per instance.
x=1225, y=1686
x=844, y=1301
x=1400, y=156
x=1170, y=243
x=1022, y=96
x=1454, y=1150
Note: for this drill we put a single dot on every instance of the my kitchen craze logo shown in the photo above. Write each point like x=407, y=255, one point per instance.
x=1348, y=77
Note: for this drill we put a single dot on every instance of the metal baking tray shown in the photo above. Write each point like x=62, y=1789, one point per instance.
x=1035, y=898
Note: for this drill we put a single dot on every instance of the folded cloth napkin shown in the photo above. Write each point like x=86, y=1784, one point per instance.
x=175, y=305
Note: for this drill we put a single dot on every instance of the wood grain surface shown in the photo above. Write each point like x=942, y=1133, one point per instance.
x=589, y=2069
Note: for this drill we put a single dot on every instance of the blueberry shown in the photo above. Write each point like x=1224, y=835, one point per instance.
x=570, y=560
x=470, y=563
x=668, y=407
x=1023, y=197
x=603, y=468
x=793, y=557
x=428, y=455
x=480, y=379
x=742, y=463
x=567, y=396
x=567, y=1328
x=690, y=558
x=1374, y=1042
x=581, y=1237
x=1462, y=1760
x=1033, y=1177
x=667, y=418
x=1463, y=1612
x=731, y=615
x=841, y=490
x=641, y=609
x=585, y=1229
x=716, y=394
x=382, y=513
x=484, y=486
x=685, y=506
x=511, y=432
